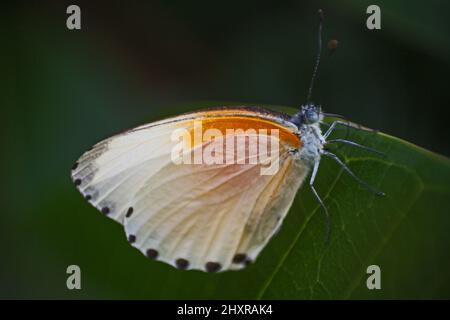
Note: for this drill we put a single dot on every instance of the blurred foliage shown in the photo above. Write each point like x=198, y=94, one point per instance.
x=64, y=90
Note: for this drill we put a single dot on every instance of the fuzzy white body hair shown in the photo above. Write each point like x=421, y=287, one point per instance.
x=312, y=139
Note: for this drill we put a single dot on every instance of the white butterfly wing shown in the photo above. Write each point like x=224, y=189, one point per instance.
x=206, y=217
x=111, y=173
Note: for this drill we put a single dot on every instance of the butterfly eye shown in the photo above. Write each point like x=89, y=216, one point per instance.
x=311, y=116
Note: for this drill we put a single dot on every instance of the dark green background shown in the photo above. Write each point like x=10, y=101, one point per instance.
x=133, y=62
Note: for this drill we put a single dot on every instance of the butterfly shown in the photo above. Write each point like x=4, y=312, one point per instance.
x=211, y=214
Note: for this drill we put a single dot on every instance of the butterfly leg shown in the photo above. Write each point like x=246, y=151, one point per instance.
x=344, y=166
x=346, y=124
x=354, y=144
x=325, y=210
x=326, y=124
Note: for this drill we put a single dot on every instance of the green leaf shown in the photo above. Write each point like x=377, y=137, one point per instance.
x=406, y=233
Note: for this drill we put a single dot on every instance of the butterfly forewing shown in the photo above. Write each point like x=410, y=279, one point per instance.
x=210, y=217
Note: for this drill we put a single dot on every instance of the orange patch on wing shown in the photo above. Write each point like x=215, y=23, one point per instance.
x=223, y=123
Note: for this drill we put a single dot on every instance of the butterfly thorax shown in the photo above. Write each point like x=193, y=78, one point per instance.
x=312, y=143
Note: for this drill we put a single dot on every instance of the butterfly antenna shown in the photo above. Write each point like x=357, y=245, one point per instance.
x=316, y=66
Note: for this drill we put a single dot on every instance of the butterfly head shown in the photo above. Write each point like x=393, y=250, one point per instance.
x=309, y=114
